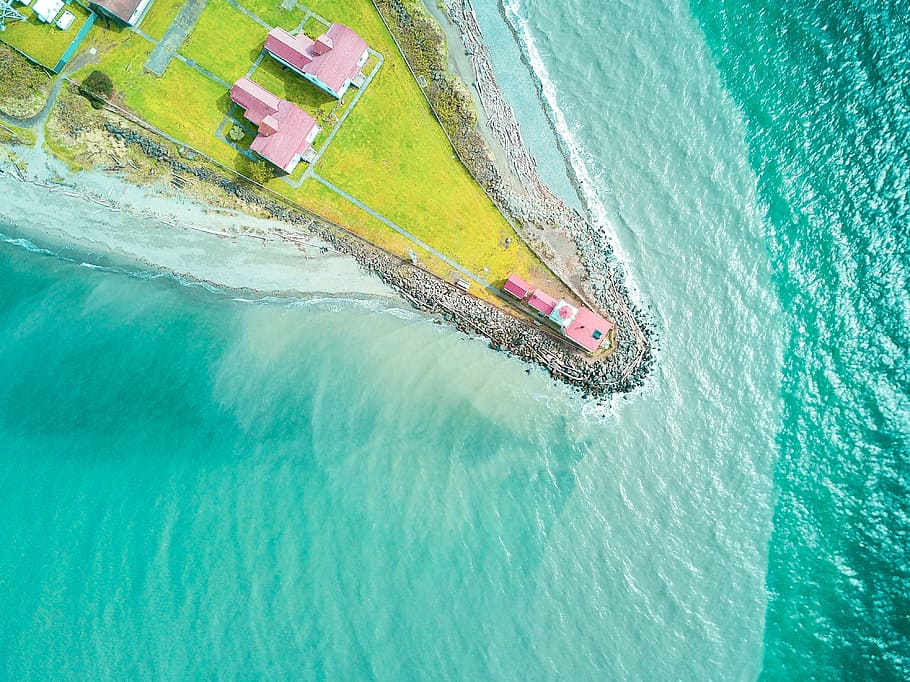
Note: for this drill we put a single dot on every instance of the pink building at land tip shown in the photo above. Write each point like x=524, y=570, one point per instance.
x=332, y=61
x=589, y=330
x=580, y=325
x=286, y=132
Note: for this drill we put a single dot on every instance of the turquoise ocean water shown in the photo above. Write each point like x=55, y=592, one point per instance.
x=197, y=485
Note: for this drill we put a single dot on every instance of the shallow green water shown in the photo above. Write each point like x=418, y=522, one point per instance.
x=824, y=89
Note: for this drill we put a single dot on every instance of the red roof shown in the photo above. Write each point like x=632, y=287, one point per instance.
x=588, y=329
x=516, y=286
x=283, y=127
x=333, y=58
x=257, y=101
x=542, y=302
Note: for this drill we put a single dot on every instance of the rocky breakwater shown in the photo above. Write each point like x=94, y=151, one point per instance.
x=620, y=371
x=578, y=251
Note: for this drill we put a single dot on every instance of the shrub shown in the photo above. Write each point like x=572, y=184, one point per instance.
x=257, y=171
x=97, y=87
x=236, y=133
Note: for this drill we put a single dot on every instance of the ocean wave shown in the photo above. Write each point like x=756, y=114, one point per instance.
x=25, y=244
x=579, y=159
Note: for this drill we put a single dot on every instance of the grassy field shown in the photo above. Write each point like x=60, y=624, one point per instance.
x=313, y=28
x=271, y=12
x=44, y=43
x=390, y=153
x=159, y=17
x=206, y=45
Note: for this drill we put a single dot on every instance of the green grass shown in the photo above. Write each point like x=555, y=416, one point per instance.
x=44, y=43
x=10, y=134
x=159, y=17
x=228, y=59
x=313, y=28
x=390, y=152
x=270, y=12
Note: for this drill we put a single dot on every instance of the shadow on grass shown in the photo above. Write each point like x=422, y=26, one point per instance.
x=225, y=103
x=291, y=86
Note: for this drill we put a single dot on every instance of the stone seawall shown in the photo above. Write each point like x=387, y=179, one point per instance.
x=621, y=371
x=578, y=251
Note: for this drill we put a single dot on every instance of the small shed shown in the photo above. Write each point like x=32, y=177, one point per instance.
x=542, y=302
x=517, y=287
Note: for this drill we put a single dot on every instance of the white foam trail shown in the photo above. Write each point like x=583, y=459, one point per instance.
x=577, y=154
x=25, y=244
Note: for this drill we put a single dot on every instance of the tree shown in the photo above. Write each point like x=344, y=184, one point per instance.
x=98, y=88
x=236, y=133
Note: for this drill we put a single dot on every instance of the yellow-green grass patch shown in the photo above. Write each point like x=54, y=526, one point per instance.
x=225, y=41
x=271, y=12
x=314, y=28
x=391, y=154
x=159, y=17
x=325, y=202
x=14, y=135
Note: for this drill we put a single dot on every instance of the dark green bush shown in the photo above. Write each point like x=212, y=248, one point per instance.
x=98, y=88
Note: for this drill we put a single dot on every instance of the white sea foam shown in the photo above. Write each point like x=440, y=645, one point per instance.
x=579, y=158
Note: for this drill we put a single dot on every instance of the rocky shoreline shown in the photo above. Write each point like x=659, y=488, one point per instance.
x=619, y=372
x=588, y=266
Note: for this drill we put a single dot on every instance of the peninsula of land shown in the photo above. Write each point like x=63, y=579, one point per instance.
x=369, y=174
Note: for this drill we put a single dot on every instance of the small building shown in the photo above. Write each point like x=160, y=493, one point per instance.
x=588, y=329
x=128, y=12
x=332, y=62
x=542, y=302
x=286, y=132
x=563, y=313
x=517, y=287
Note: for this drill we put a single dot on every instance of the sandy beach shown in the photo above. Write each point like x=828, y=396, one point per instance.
x=158, y=228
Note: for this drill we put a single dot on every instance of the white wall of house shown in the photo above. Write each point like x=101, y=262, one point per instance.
x=292, y=164
x=136, y=17
x=318, y=83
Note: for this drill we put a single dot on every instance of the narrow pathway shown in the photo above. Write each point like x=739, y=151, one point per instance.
x=175, y=36
x=252, y=16
x=37, y=120
x=404, y=233
x=205, y=72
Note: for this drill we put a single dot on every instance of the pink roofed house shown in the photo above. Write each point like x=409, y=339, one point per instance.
x=588, y=329
x=332, y=61
x=517, y=287
x=542, y=302
x=286, y=132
